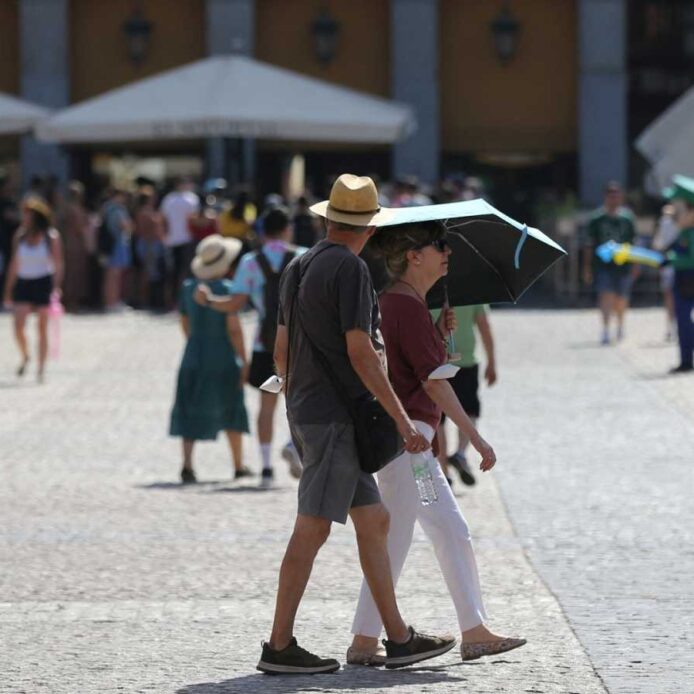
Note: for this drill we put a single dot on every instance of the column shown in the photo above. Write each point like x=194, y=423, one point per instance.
x=45, y=78
x=230, y=30
x=602, y=117
x=415, y=81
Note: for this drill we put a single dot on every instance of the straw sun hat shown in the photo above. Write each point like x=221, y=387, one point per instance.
x=214, y=255
x=353, y=200
x=38, y=205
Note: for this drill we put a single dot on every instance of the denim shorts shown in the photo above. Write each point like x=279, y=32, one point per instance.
x=331, y=482
x=608, y=279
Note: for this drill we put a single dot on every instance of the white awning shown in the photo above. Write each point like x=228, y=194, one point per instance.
x=668, y=143
x=231, y=96
x=18, y=116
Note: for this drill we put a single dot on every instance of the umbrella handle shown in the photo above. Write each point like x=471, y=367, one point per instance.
x=452, y=354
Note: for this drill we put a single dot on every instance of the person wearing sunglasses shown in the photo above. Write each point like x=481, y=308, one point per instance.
x=416, y=256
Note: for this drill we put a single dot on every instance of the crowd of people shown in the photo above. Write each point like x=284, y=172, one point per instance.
x=325, y=337
x=134, y=245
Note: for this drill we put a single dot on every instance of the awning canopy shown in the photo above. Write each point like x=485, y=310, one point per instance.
x=231, y=96
x=18, y=116
x=668, y=143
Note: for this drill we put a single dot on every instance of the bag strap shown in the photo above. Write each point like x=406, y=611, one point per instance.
x=265, y=266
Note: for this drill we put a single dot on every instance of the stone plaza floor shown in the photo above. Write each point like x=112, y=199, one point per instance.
x=114, y=578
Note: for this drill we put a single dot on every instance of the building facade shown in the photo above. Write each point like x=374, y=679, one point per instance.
x=525, y=92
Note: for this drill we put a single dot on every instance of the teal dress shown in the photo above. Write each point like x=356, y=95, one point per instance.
x=209, y=398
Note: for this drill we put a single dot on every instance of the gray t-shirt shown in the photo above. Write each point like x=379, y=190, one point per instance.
x=336, y=295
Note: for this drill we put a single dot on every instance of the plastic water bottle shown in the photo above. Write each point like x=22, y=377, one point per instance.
x=424, y=480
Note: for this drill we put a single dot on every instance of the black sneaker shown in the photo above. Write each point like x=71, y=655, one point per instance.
x=460, y=464
x=419, y=647
x=682, y=369
x=243, y=471
x=188, y=476
x=294, y=660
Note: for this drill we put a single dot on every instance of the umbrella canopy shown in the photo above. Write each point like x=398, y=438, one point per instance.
x=231, y=96
x=495, y=259
x=18, y=116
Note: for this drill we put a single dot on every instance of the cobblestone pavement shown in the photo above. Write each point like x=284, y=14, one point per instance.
x=597, y=445
x=116, y=579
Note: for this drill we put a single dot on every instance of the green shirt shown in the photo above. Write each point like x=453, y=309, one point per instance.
x=604, y=227
x=464, y=336
x=682, y=253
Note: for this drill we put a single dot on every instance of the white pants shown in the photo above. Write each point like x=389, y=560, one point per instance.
x=445, y=527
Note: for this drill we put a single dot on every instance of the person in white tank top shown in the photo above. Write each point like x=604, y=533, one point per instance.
x=34, y=273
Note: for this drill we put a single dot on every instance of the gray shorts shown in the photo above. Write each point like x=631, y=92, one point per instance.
x=332, y=482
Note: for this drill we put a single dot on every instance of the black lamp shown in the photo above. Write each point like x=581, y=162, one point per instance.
x=505, y=32
x=325, y=30
x=137, y=31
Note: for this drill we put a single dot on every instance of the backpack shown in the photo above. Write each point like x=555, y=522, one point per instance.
x=105, y=240
x=271, y=297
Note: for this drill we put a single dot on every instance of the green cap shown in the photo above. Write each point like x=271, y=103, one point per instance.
x=682, y=188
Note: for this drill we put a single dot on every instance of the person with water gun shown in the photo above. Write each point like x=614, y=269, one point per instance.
x=612, y=281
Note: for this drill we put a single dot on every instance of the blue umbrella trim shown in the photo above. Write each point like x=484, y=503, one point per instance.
x=519, y=247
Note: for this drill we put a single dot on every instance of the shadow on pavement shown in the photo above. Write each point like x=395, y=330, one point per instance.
x=247, y=488
x=200, y=485
x=350, y=678
x=658, y=376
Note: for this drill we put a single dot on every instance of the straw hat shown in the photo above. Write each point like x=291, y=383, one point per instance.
x=38, y=205
x=214, y=255
x=353, y=200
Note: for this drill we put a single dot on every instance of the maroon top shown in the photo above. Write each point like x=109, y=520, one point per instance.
x=414, y=349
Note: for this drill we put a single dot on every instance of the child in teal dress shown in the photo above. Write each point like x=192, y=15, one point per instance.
x=209, y=392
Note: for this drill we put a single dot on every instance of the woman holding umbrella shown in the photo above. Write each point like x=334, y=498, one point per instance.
x=416, y=256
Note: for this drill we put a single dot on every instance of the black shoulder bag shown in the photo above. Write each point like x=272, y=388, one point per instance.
x=377, y=438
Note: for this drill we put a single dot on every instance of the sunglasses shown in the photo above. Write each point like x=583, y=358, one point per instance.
x=441, y=245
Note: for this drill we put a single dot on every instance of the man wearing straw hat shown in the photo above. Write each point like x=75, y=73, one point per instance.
x=336, y=308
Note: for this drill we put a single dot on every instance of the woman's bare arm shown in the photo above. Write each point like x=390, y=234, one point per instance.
x=203, y=296
x=57, y=255
x=236, y=338
x=441, y=392
x=185, y=325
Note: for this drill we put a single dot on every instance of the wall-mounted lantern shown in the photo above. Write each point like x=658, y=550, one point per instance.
x=505, y=33
x=325, y=30
x=137, y=30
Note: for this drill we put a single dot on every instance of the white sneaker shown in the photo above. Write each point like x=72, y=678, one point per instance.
x=267, y=478
x=289, y=453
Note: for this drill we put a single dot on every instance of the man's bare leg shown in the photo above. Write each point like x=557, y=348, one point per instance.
x=371, y=525
x=606, y=301
x=310, y=533
x=621, y=304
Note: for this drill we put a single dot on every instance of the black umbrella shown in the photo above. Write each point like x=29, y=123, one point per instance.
x=495, y=258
